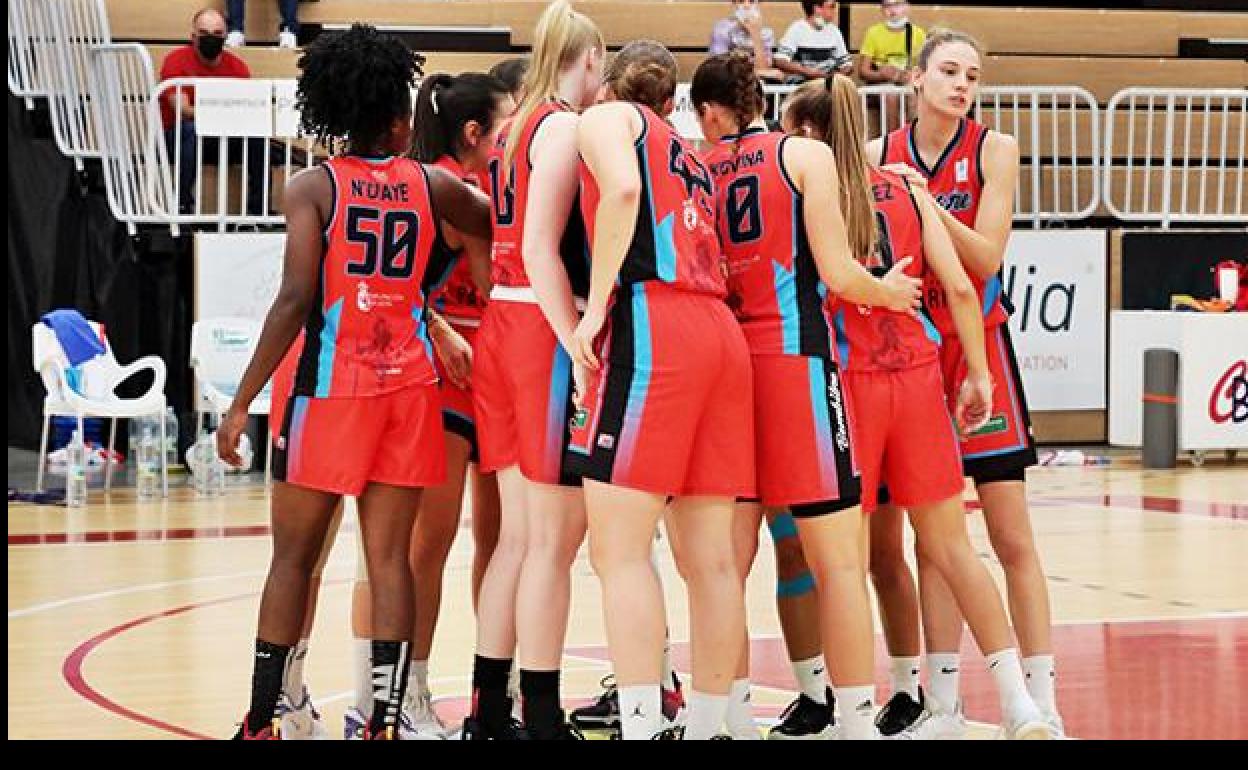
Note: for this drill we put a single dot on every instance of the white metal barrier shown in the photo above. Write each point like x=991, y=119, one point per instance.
x=1176, y=155
x=1057, y=128
x=137, y=180
x=70, y=28
x=251, y=124
x=26, y=80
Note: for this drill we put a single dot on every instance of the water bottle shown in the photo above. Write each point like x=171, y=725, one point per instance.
x=76, y=473
x=207, y=470
x=138, y=426
x=171, y=436
x=148, y=465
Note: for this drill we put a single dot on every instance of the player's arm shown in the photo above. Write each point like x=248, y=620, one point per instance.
x=553, y=185
x=466, y=208
x=942, y=260
x=812, y=167
x=605, y=138
x=306, y=205
x=982, y=248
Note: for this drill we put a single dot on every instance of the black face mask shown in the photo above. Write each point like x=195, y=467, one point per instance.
x=209, y=46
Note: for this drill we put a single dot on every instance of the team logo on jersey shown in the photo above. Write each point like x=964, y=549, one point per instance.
x=996, y=424
x=691, y=215
x=606, y=441
x=363, y=300
x=962, y=170
x=580, y=418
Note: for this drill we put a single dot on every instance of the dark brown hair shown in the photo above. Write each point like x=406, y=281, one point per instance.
x=643, y=72
x=729, y=81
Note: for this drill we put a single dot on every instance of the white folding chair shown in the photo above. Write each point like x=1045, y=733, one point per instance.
x=220, y=351
x=97, y=398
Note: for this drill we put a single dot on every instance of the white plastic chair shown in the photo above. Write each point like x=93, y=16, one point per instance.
x=220, y=351
x=101, y=376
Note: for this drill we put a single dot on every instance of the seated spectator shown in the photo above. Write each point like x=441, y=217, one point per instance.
x=511, y=73
x=887, y=56
x=205, y=57
x=890, y=46
x=287, y=32
x=744, y=31
x=814, y=47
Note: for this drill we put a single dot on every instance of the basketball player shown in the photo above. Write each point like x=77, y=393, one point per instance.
x=971, y=172
x=787, y=250
x=456, y=123
x=362, y=417
x=522, y=382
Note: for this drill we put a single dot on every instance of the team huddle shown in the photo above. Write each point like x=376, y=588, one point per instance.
x=549, y=294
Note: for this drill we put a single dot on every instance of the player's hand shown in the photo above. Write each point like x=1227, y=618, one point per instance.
x=974, y=404
x=454, y=352
x=910, y=173
x=905, y=292
x=584, y=337
x=232, y=427
x=580, y=385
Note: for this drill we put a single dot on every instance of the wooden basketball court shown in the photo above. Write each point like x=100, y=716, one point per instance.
x=135, y=620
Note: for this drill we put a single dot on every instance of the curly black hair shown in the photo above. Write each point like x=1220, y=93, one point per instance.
x=353, y=84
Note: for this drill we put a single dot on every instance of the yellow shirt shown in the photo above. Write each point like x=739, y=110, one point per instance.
x=885, y=46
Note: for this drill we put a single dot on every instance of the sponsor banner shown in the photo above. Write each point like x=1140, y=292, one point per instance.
x=237, y=274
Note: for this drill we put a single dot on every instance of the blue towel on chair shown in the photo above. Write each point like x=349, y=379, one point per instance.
x=77, y=338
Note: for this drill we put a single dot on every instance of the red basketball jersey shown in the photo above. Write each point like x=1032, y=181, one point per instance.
x=453, y=292
x=774, y=285
x=873, y=338
x=366, y=336
x=509, y=207
x=674, y=240
x=957, y=183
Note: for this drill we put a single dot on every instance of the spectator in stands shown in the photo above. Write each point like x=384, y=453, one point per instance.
x=512, y=72
x=205, y=57
x=744, y=31
x=887, y=56
x=889, y=47
x=814, y=47
x=286, y=33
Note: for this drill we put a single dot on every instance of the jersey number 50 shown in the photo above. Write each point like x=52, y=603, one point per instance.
x=396, y=245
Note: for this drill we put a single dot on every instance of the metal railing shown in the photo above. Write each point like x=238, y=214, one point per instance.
x=1176, y=155
x=137, y=180
x=264, y=145
x=70, y=28
x=27, y=34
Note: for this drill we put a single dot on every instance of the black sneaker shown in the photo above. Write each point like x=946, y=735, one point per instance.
x=603, y=714
x=474, y=730
x=899, y=713
x=805, y=720
x=677, y=733
x=564, y=732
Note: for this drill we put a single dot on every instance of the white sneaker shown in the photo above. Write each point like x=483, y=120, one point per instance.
x=418, y=721
x=936, y=726
x=300, y=722
x=235, y=39
x=287, y=39
x=1057, y=726
x=1026, y=725
x=836, y=732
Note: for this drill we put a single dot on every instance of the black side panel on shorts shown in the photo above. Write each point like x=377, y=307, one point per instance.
x=1013, y=465
x=281, y=447
x=600, y=463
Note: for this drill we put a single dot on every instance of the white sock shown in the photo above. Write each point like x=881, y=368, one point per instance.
x=669, y=674
x=513, y=691
x=903, y=674
x=942, y=681
x=1041, y=674
x=362, y=660
x=1007, y=672
x=812, y=678
x=641, y=715
x=706, y=716
x=292, y=677
x=857, y=712
x=740, y=716
x=418, y=678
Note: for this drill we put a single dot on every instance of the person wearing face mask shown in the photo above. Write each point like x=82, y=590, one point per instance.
x=887, y=55
x=889, y=46
x=744, y=31
x=813, y=47
x=205, y=57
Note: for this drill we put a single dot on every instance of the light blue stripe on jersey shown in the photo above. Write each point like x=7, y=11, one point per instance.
x=785, y=283
x=992, y=292
x=329, y=342
x=842, y=337
x=422, y=331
